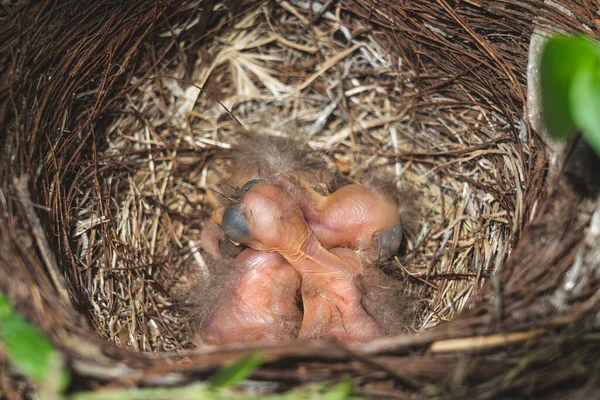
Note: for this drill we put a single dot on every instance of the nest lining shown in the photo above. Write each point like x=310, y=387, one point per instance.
x=333, y=85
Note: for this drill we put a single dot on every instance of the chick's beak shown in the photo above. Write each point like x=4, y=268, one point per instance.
x=217, y=215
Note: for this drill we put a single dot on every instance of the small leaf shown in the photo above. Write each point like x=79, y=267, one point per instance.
x=585, y=104
x=319, y=390
x=234, y=373
x=27, y=348
x=562, y=57
x=341, y=391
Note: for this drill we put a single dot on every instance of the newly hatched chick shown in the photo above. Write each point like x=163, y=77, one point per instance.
x=257, y=157
x=259, y=302
x=211, y=239
x=268, y=220
x=354, y=216
x=231, y=301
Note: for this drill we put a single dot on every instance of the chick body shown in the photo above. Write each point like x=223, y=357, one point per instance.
x=260, y=305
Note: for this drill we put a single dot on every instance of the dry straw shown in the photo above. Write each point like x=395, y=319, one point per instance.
x=110, y=158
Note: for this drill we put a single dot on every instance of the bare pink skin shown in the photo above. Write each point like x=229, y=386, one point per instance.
x=262, y=305
x=210, y=238
x=330, y=292
x=332, y=299
x=350, y=216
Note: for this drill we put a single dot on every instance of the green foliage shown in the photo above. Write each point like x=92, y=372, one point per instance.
x=585, y=105
x=233, y=374
x=29, y=350
x=570, y=84
x=340, y=392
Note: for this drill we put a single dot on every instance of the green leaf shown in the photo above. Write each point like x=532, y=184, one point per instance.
x=234, y=373
x=562, y=57
x=341, y=391
x=585, y=104
x=28, y=349
x=319, y=390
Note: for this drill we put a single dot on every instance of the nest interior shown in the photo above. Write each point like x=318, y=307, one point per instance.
x=117, y=121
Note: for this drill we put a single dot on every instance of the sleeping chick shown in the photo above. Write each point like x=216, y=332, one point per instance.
x=256, y=157
x=268, y=220
x=354, y=216
x=258, y=302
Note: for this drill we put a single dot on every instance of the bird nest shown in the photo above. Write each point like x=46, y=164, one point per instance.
x=119, y=123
